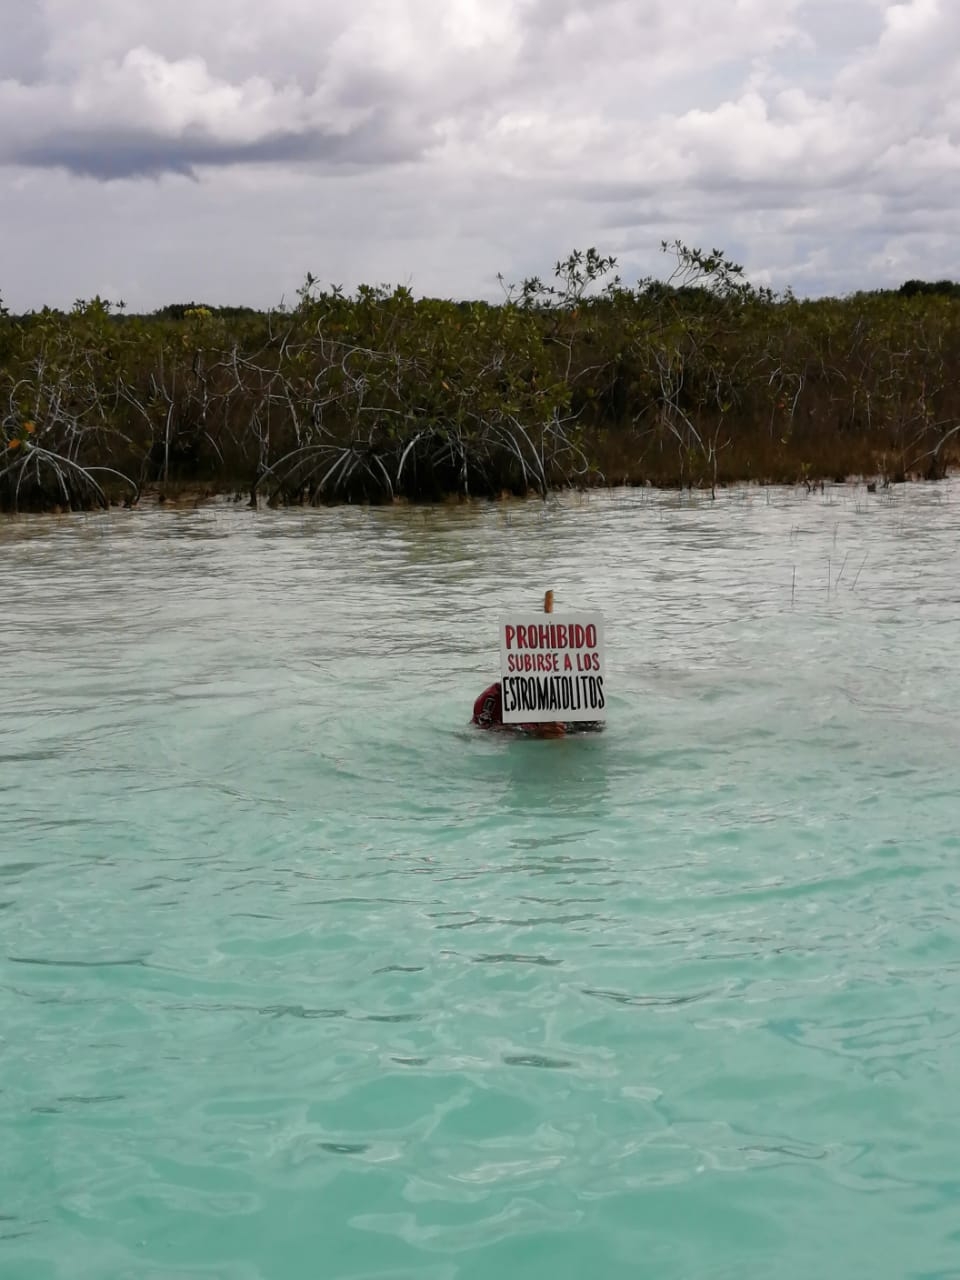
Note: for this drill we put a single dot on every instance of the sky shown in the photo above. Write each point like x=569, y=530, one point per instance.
x=219, y=150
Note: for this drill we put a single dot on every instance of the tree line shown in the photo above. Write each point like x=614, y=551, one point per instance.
x=696, y=379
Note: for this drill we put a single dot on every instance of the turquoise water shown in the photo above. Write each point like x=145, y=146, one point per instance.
x=301, y=977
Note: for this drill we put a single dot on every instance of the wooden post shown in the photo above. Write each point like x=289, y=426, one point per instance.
x=550, y=730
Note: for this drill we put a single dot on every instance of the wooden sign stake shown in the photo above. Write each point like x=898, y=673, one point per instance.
x=551, y=730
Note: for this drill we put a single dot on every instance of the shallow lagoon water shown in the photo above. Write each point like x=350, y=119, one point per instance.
x=302, y=977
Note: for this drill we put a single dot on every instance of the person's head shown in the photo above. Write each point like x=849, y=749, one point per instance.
x=488, y=708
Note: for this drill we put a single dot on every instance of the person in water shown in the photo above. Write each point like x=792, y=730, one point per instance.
x=488, y=714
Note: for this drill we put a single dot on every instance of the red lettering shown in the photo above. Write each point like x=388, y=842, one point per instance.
x=552, y=636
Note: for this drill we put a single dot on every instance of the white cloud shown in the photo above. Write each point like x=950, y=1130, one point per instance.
x=221, y=149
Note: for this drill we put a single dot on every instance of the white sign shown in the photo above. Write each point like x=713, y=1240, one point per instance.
x=552, y=668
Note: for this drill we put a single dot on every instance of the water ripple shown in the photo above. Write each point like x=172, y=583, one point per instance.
x=301, y=976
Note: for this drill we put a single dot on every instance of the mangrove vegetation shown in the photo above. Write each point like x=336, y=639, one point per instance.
x=697, y=380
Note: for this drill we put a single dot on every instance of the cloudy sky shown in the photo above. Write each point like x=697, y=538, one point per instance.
x=167, y=150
